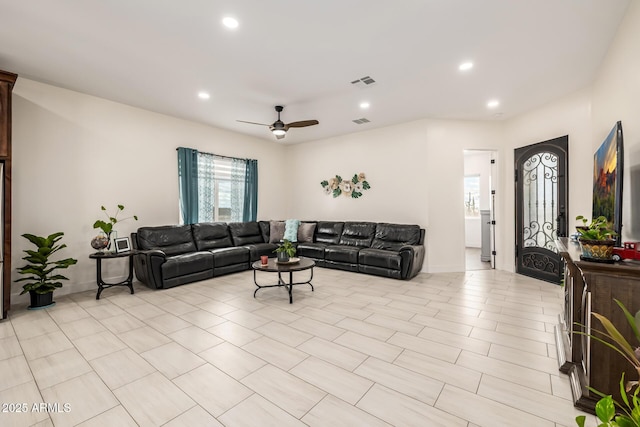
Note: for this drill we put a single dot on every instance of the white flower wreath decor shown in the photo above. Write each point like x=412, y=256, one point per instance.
x=353, y=188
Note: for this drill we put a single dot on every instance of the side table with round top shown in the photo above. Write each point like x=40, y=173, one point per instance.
x=275, y=267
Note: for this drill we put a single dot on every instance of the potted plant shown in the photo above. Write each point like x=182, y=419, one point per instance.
x=596, y=239
x=98, y=242
x=609, y=411
x=40, y=270
x=285, y=251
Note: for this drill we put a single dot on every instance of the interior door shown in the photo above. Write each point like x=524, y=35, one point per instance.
x=541, y=207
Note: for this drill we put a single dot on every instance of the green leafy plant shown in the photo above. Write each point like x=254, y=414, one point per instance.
x=597, y=229
x=628, y=412
x=107, y=226
x=40, y=270
x=287, y=247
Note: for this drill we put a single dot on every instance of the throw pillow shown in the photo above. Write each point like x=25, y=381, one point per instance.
x=291, y=230
x=305, y=231
x=276, y=231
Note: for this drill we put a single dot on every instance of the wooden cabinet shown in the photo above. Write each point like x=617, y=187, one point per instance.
x=592, y=287
x=7, y=81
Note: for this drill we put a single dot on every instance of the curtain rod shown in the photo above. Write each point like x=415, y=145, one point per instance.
x=217, y=155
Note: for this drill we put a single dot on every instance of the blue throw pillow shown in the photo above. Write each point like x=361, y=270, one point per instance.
x=291, y=230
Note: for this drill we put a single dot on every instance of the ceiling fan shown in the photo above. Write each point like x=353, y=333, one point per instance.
x=279, y=128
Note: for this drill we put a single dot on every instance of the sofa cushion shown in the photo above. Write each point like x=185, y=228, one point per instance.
x=305, y=231
x=329, y=232
x=185, y=264
x=276, y=231
x=358, y=234
x=291, y=230
x=380, y=258
x=311, y=250
x=394, y=236
x=170, y=239
x=244, y=233
x=223, y=257
x=342, y=253
x=211, y=235
x=256, y=250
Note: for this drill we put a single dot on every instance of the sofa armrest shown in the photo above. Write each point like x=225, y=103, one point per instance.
x=412, y=258
x=148, y=267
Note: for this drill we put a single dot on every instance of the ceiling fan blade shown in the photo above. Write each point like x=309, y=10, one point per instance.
x=252, y=123
x=301, y=124
x=280, y=136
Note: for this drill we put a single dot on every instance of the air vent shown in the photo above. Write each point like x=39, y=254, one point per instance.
x=364, y=81
x=361, y=121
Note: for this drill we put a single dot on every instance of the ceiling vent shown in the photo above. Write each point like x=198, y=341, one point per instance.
x=361, y=121
x=364, y=81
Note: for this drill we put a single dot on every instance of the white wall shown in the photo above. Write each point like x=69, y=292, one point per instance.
x=73, y=153
x=616, y=96
x=416, y=173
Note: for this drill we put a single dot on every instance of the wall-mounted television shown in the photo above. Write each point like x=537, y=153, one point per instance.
x=607, y=180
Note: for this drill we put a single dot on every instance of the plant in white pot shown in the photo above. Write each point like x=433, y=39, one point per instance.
x=40, y=270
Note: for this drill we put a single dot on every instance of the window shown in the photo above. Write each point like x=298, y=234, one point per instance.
x=216, y=188
x=472, y=195
x=220, y=188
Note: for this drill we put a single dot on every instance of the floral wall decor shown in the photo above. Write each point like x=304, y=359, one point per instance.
x=350, y=188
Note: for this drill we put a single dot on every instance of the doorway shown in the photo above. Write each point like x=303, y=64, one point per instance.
x=479, y=205
x=541, y=203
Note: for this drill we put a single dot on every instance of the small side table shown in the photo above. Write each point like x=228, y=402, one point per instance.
x=102, y=285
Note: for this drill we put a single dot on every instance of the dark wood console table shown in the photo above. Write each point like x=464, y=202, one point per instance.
x=592, y=287
x=102, y=285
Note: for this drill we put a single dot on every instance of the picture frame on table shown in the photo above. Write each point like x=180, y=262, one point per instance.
x=122, y=245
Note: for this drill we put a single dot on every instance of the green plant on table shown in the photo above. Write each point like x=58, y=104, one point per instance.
x=627, y=413
x=40, y=270
x=287, y=247
x=597, y=229
x=107, y=226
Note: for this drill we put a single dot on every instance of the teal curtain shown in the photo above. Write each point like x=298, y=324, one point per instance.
x=188, y=184
x=250, y=211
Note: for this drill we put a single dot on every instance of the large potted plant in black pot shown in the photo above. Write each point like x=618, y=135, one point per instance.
x=40, y=272
x=596, y=239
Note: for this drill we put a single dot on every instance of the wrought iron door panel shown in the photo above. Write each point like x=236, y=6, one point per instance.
x=541, y=206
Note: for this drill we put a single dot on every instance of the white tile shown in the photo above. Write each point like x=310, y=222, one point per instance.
x=234, y=333
x=14, y=371
x=333, y=353
x=195, y=416
x=144, y=339
x=172, y=359
x=463, y=342
x=276, y=353
x=483, y=411
x=437, y=369
x=86, y=395
x=120, y=368
x=214, y=390
x=334, y=412
x=283, y=333
x=165, y=403
x=400, y=410
x=366, y=328
x=9, y=347
x=58, y=367
x=81, y=328
x=114, y=416
x=21, y=398
x=426, y=347
x=332, y=379
x=202, y=318
x=317, y=328
x=369, y=346
x=122, y=323
x=284, y=390
x=402, y=380
x=232, y=360
x=44, y=345
x=195, y=339
x=247, y=412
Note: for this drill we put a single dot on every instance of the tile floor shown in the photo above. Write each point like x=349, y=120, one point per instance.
x=469, y=349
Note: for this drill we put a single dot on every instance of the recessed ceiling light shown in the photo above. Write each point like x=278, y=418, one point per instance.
x=493, y=103
x=465, y=66
x=203, y=95
x=230, y=22
x=364, y=105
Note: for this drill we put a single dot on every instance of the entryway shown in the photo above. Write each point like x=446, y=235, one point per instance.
x=479, y=206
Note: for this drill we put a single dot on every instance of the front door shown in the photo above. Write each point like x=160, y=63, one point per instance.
x=541, y=207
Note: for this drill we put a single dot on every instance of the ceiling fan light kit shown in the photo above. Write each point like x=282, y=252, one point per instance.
x=279, y=128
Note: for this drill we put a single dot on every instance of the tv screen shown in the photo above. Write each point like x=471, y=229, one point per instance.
x=607, y=180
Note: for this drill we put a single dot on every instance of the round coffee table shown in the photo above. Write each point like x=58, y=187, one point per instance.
x=274, y=267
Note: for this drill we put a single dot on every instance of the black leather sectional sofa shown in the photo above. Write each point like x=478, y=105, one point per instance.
x=177, y=254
